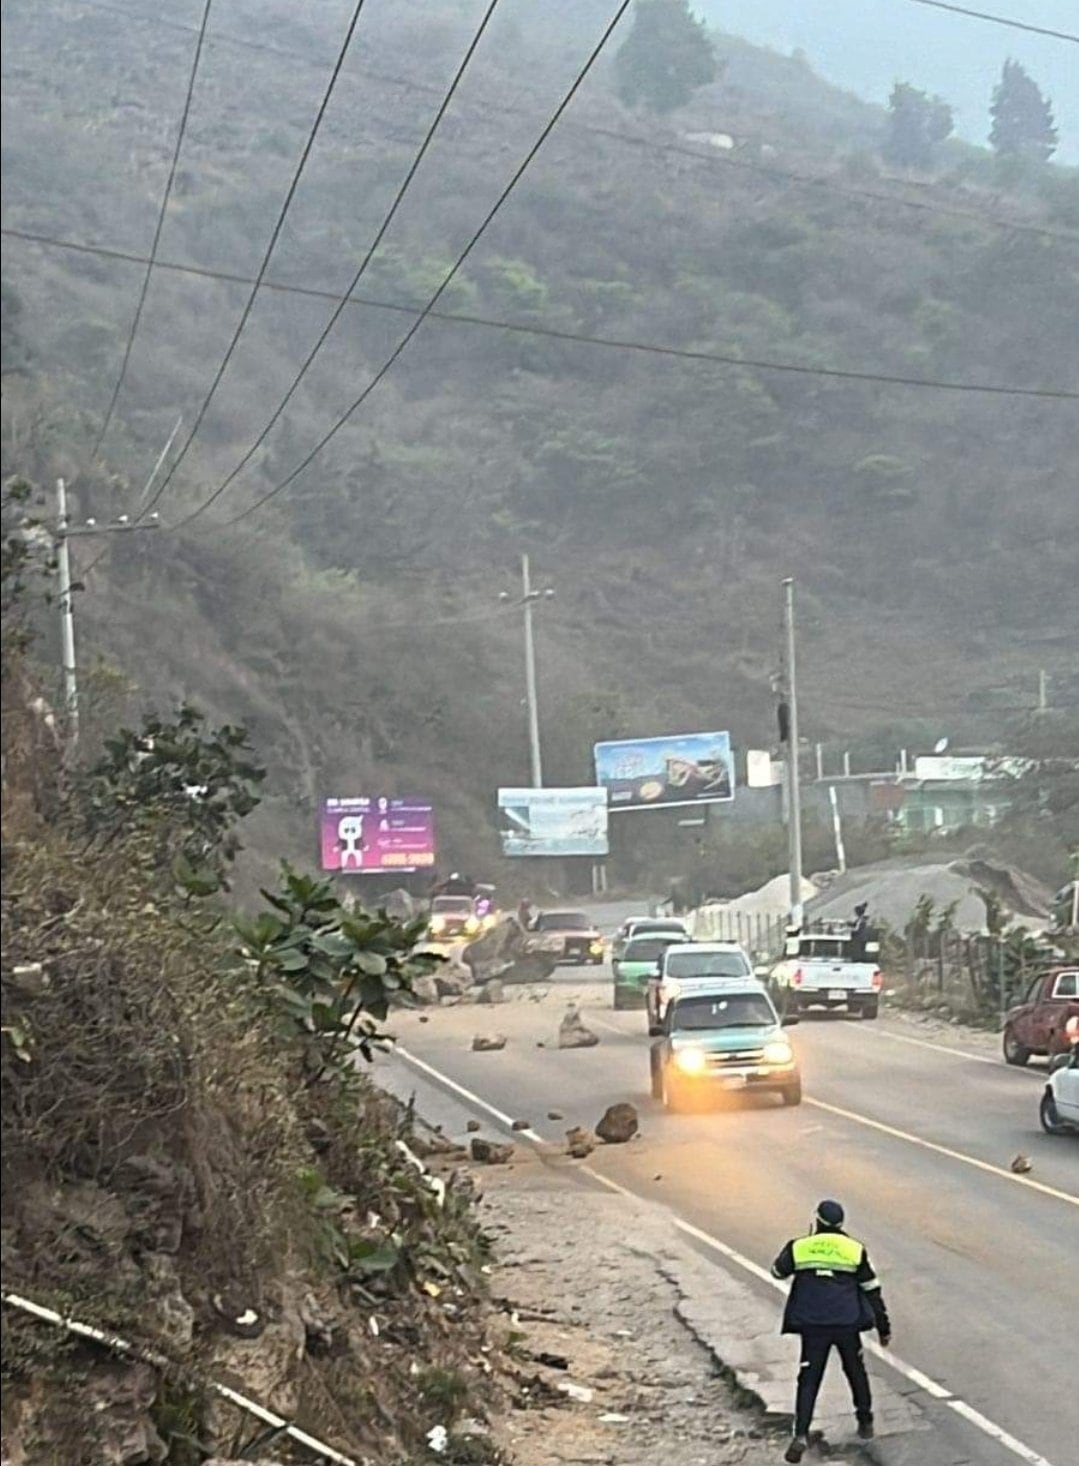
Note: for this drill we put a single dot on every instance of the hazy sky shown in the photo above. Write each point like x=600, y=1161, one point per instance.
x=866, y=45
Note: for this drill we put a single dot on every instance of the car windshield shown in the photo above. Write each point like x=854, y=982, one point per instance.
x=694, y=963
x=647, y=949
x=739, y=1010
x=562, y=921
x=452, y=904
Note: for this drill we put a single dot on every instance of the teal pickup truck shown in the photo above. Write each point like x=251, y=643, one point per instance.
x=720, y=1037
x=638, y=961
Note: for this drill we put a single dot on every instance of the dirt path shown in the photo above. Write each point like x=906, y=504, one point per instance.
x=579, y=1271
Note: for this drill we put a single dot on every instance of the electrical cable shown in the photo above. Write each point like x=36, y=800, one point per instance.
x=1007, y=20
x=376, y=241
x=162, y=211
x=264, y=266
x=555, y=333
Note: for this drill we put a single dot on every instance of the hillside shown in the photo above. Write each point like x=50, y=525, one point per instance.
x=353, y=623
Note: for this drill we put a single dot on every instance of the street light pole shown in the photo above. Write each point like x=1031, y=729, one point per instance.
x=794, y=800
x=528, y=597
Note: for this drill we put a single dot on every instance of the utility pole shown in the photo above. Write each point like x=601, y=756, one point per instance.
x=67, y=615
x=65, y=532
x=794, y=801
x=529, y=597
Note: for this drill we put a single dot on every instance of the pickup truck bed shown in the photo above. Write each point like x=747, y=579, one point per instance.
x=820, y=975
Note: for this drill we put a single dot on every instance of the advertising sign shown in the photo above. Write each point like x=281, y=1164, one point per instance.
x=657, y=773
x=367, y=835
x=553, y=821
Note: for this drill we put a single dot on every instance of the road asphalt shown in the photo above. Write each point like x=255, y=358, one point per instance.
x=913, y=1130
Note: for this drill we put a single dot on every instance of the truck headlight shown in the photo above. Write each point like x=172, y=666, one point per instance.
x=690, y=1061
x=596, y=949
x=778, y=1052
x=437, y=923
x=472, y=924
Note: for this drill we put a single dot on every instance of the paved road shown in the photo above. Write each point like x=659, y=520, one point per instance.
x=917, y=1141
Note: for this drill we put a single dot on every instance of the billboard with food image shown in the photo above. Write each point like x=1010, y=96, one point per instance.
x=658, y=773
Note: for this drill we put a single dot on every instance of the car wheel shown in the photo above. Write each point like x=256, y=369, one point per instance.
x=1014, y=1052
x=871, y=1009
x=1047, y=1113
x=792, y=1094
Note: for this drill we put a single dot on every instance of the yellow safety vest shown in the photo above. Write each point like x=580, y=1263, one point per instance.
x=832, y=1252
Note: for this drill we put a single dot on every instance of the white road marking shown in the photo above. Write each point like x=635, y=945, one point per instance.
x=944, y=1150
x=909, y=1371
x=924, y=1043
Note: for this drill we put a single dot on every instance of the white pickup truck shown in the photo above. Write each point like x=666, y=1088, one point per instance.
x=819, y=970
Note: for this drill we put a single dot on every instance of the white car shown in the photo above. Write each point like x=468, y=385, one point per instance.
x=689, y=964
x=1059, y=1110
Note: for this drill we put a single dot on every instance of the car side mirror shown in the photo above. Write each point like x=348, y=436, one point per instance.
x=790, y=1020
x=760, y=971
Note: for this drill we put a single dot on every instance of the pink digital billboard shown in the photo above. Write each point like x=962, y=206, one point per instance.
x=366, y=835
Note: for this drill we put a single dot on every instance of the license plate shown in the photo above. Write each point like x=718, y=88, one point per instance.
x=837, y=995
x=733, y=1081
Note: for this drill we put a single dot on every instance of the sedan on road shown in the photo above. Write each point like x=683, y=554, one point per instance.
x=570, y=936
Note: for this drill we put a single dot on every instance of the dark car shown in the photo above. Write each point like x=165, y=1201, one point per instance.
x=571, y=936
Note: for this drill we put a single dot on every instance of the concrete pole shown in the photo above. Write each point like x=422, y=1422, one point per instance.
x=794, y=802
x=67, y=616
x=530, y=677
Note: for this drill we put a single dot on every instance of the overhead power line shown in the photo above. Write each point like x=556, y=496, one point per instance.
x=380, y=234
x=555, y=333
x=1009, y=21
x=161, y=213
x=264, y=266
x=447, y=279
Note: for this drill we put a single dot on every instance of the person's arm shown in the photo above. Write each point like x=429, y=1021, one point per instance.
x=783, y=1267
x=870, y=1285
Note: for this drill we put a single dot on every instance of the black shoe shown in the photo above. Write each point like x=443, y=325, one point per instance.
x=865, y=1429
x=797, y=1449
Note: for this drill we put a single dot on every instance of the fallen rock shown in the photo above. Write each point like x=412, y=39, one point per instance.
x=491, y=992
x=398, y=904
x=490, y=1153
x=452, y=981
x=521, y=1125
x=495, y=950
x=572, y=1033
x=472, y=1126
x=555, y=1115
x=486, y=1043
x=1022, y=1164
x=619, y=1124
x=580, y=1142
x=424, y=989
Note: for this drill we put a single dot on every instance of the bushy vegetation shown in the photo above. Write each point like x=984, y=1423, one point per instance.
x=353, y=624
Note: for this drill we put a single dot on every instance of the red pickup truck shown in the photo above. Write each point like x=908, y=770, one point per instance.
x=1037, y=1025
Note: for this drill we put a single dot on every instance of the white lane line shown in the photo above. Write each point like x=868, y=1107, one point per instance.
x=909, y=1371
x=924, y=1043
x=944, y=1150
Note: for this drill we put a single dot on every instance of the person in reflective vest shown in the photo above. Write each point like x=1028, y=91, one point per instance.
x=834, y=1298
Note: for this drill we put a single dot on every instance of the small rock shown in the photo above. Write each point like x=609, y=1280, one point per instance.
x=580, y=1142
x=489, y=1153
x=492, y=992
x=486, y=1043
x=572, y=1033
x=472, y=1126
x=619, y=1124
x=425, y=1017
x=521, y=1125
x=581, y=1393
x=1022, y=1164
x=555, y=1115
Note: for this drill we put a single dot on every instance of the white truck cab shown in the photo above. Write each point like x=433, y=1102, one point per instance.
x=823, y=967
x=693, y=965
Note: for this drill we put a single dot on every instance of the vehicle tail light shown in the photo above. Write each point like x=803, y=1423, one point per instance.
x=796, y=977
x=878, y=979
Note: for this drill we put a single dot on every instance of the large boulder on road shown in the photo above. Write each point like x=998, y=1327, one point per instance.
x=503, y=953
x=572, y=1033
x=452, y=981
x=399, y=905
x=489, y=1152
x=619, y=1124
x=424, y=989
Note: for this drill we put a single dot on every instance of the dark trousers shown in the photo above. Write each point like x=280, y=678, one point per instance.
x=817, y=1344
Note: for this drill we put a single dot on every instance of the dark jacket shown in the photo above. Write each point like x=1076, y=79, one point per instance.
x=834, y=1284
